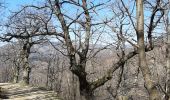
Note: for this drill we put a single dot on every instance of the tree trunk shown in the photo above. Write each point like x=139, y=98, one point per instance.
x=26, y=73
x=26, y=68
x=85, y=95
x=149, y=84
x=16, y=74
x=85, y=90
x=122, y=98
x=168, y=64
x=16, y=69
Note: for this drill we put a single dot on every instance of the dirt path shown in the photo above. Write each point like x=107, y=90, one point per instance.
x=9, y=91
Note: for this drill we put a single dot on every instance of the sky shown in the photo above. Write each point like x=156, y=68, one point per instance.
x=14, y=5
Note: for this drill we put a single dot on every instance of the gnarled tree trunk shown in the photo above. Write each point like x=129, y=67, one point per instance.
x=25, y=63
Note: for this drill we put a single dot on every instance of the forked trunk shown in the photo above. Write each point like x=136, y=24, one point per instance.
x=149, y=84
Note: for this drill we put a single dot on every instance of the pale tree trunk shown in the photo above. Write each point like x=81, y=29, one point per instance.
x=122, y=98
x=26, y=73
x=25, y=64
x=149, y=84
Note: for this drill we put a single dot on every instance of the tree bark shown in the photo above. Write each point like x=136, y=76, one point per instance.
x=16, y=74
x=149, y=84
x=26, y=68
x=168, y=64
x=26, y=74
x=16, y=69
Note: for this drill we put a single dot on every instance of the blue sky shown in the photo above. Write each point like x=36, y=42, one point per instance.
x=16, y=4
x=13, y=5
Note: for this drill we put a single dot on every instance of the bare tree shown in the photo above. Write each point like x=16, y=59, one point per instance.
x=78, y=65
x=27, y=26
